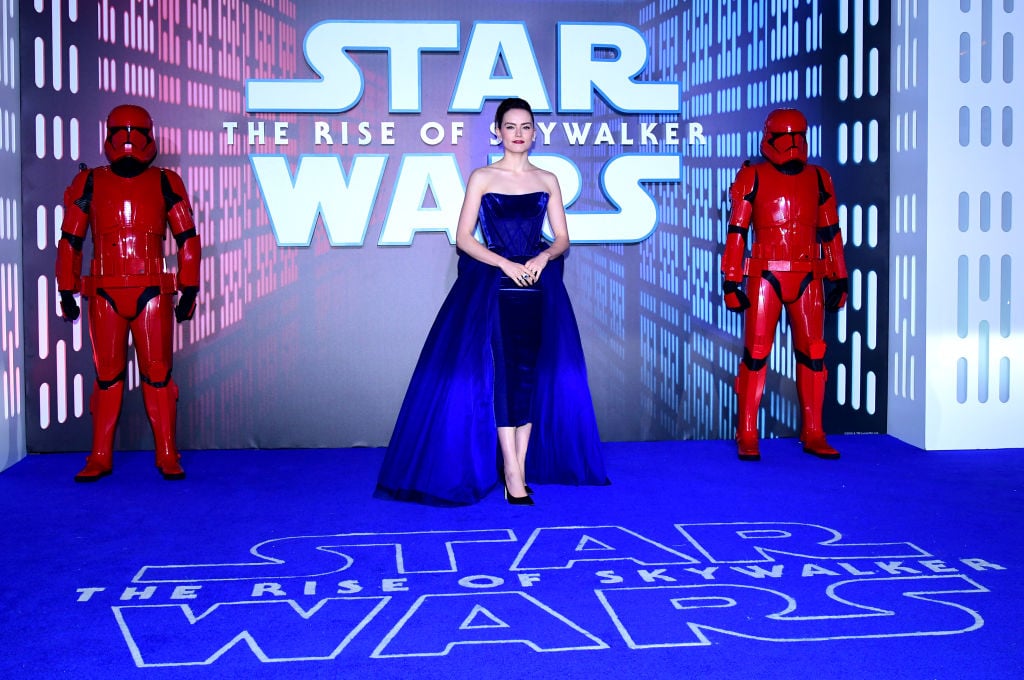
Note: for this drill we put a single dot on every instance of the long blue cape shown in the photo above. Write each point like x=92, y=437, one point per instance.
x=444, y=449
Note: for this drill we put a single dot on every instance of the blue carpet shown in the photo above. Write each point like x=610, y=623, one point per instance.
x=890, y=563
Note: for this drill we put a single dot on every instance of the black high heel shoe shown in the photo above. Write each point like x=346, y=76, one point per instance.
x=529, y=491
x=517, y=500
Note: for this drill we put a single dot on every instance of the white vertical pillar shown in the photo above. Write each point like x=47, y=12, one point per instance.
x=957, y=248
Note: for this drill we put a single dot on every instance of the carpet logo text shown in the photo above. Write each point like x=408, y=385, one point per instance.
x=305, y=598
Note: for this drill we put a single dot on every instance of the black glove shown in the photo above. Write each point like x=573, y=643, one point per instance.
x=68, y=305
x=186, y=306
x=835, y=294
x=735, y=299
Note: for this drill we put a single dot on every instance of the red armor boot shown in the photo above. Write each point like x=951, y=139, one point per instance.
x=162, y=409
x=810, y=387
x=105, y=406
x=749, y=389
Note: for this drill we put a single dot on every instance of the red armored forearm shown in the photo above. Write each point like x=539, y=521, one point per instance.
x=69, y=265
x=77, y=198
x=829, y=233
x=741, y=195
x=179, y=215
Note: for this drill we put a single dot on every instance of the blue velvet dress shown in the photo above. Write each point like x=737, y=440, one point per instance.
x=444, y=448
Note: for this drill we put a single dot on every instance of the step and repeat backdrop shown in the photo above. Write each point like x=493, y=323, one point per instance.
x=325, y=146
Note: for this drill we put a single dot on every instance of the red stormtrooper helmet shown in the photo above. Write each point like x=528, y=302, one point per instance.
x=785, y=138
x=130, y=144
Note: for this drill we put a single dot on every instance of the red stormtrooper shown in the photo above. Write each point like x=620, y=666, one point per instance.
x=797, y=245
x=128, y=205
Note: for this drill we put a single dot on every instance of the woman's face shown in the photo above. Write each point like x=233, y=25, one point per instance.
x=517, y=132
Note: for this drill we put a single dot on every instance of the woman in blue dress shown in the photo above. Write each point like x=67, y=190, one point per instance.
x=502, y=370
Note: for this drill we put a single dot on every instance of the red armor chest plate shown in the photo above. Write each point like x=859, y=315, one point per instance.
x=129, y=223
x=785, y=215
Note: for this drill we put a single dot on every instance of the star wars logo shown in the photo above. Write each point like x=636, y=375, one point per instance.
x=594, y=61
x=305, y=598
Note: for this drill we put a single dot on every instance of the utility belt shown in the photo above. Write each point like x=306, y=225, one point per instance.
x=757, y=265
x=165, y=280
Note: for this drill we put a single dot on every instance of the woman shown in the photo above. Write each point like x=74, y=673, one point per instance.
x=502, y=368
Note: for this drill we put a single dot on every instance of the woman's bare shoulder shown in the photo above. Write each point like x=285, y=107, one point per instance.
x=549, y=180
x=481, y=178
